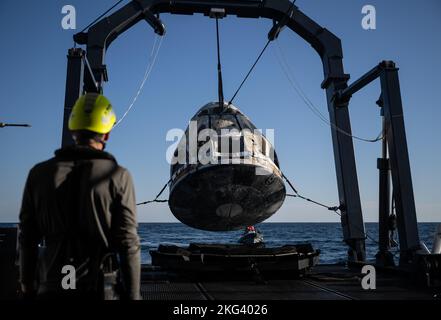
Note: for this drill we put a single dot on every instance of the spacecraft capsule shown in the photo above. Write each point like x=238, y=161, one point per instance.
x=224, y=173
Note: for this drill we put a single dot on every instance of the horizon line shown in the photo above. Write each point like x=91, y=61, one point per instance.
x=173, y=222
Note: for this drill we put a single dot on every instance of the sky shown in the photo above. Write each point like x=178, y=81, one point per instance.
x=33, y=73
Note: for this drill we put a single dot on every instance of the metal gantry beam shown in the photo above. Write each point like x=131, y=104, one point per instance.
x=74, y=86
x=398, y=164
x=327, y=45
x=384, y=256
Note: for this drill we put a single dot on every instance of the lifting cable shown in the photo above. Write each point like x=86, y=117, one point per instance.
x=296, y=194
x=157, y=196
x=335, y=209
x=316, y=111
x=270, y=38
x=249, y=72
x=152, y=60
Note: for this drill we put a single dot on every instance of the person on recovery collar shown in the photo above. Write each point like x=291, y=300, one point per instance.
x=79, y=211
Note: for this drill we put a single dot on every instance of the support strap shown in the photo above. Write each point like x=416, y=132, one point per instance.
x=335, y=209
x=297, y=195
x=157, y=196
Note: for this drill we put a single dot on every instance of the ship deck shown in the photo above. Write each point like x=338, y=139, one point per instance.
x=323, y=282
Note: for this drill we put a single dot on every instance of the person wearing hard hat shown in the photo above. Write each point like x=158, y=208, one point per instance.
x=78, y=228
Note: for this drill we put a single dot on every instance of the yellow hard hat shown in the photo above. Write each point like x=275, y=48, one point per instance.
x=92, y=112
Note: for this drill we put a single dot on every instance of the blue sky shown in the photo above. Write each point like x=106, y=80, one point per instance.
x=32, y=82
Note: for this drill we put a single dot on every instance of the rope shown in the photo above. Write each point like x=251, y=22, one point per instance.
x=151, y=201
x=157, y=196
x=102, y=15
x=150, y=65
x=298, y=195
x=294, y=83
x=282, y=23
x=313, y=201
x=249, y=72
x=330, y=208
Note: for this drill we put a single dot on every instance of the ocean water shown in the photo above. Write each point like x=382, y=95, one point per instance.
x=327, y=237
x=324, y=236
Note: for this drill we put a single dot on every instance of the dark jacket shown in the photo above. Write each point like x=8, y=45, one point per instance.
x=77, y=207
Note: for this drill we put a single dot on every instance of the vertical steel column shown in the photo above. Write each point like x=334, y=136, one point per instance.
x=74, y=84
x=347, y=181
x=384, y=257
x=344, y=157
x=399, y=162
x=349, y=195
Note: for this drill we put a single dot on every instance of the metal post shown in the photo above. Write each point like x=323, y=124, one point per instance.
x=399, y=163
x=74, y=84
x=384, y=257
x=347, y=181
